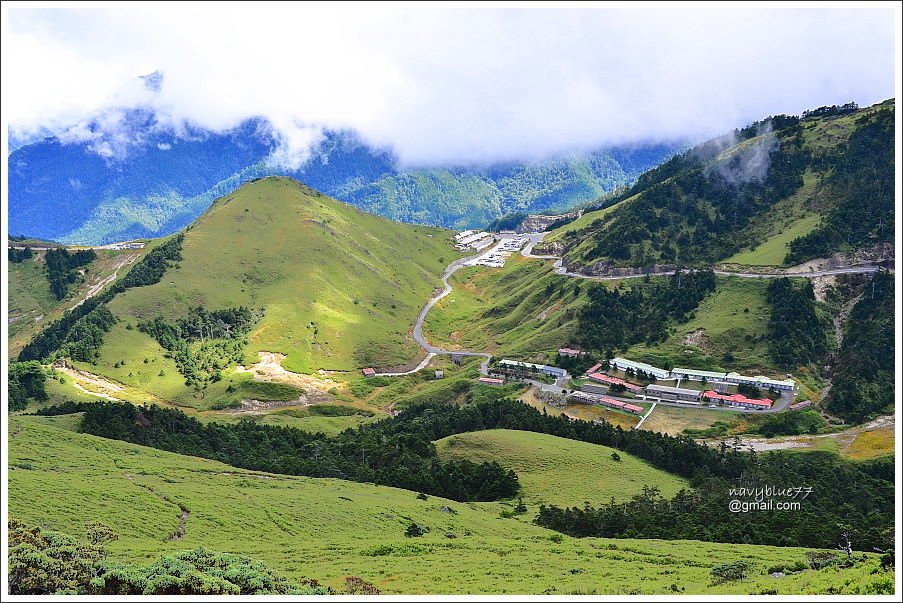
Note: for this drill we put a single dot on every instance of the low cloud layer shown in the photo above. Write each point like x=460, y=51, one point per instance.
x=447, y=84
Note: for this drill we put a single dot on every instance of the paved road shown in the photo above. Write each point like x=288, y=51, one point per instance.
x=535, y=238
x=862, y=269
x=418, y=326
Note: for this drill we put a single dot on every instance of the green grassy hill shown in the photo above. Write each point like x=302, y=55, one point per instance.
x=329, y=529
x=779, y=192
x=558, y=471
x=340, y=288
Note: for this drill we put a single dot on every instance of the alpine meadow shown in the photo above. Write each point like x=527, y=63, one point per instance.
x=471, y=301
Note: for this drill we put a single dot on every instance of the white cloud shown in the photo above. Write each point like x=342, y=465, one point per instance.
x=448, y=84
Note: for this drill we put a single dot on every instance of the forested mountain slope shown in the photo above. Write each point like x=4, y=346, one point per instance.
x=780, y=191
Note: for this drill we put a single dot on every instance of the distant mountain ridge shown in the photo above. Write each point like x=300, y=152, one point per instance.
x=147, y=180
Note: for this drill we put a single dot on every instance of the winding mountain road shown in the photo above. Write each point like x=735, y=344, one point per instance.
x=533, y=239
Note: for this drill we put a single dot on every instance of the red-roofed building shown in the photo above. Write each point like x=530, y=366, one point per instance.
x=594, y=368
x=739, y=400
x=601, y=378
x=369, y=372
x=491, y=381
x=637, y=410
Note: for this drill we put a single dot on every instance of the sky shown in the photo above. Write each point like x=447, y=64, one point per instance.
x=445, y=84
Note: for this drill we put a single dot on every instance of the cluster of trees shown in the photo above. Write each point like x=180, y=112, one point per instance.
x=828, y=111
x=861, y=178
x=82, y=328
x=864, y=376
x=46, y=562
x=797, y=334
x=575, y=365
x=62, y=266
x=792, y=423
x=203, y=343
x=845, y=497
x=17, y=256
x=25, y=381
x=394, y=452
x=614, y=318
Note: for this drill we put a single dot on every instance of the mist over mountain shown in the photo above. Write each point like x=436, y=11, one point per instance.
x=128, y=174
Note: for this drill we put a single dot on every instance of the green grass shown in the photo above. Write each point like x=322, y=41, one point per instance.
x=32, y=305
x=726, y=329
x=674, y=420
x=586, y=221
x=558, y=471
x=328, y=529
x=773, y=250
x=522, y=309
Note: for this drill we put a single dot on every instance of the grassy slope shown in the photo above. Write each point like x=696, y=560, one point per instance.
x=328, y=529
x=30, y=296
x=341, y=288
x=789, y=219
x=727, y=328
x=522, y=309
x=558, y=471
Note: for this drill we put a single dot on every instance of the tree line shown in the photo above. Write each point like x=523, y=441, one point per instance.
x=17, y=256
x=81, y=330
x=845, y=497
x=62, y=266
x=399, y=451
x=393, y=452
x=797, y=334
x=615, y=318
x=864, y=376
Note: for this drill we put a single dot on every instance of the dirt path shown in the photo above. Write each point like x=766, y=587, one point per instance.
x=79, y=377
x=97, y=287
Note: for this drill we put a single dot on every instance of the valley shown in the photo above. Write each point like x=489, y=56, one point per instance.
x=340, y=395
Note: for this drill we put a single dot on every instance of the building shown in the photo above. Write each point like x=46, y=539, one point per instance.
x=570, y=352
x=761, y=382
x=439, y=374
x=678, y=394
x=463, y=235
x=738, y=400
x=491, y=381
x=369, y=372
x=554, y=371
x=584, y=398
x=594, y=368
x=696, y=375
x=527, y=368
x=800, y=405
x=623, y=364
x=602, y=378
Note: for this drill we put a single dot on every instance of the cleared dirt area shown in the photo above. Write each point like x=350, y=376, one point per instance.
x=270, y=369
x=842, y=440
x=89, y=382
